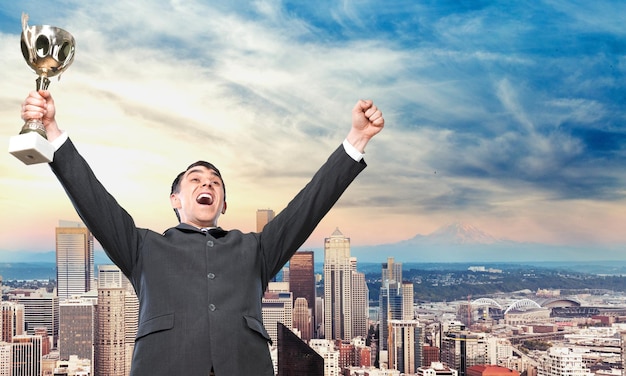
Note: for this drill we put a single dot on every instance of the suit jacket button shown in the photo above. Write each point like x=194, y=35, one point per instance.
x=212, y=307
x=211, y=276
x=209, y=243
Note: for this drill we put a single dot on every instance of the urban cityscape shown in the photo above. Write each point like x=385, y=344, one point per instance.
x=337, y=322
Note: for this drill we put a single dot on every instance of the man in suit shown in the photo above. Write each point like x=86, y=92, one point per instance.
x=199, y=286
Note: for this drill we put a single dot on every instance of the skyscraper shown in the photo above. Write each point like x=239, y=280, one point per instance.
x=392, y=302
x=360, y=300
x=337, y=287
x=74, y=254
x=263, y=216
x=6, y=358
x=277, y=307
x=26, y=355
x=41, y=309
x=302, y=318
x=110, y=354
x=296, y=357
x=116, y=322
x=77, y=320
x=407, y=301
x=406, y=345
x=12, y=321
x=302, y=284
x=463, y=349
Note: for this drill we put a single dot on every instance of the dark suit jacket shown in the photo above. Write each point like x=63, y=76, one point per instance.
x=200, y=294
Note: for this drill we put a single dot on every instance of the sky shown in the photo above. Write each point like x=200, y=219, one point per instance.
x=508, y=116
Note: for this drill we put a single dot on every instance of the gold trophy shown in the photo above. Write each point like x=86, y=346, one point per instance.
x=48, y=51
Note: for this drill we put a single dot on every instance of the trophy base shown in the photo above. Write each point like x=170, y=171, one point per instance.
x=31, y=148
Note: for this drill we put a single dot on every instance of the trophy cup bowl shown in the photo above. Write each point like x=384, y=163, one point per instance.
x=48, y=51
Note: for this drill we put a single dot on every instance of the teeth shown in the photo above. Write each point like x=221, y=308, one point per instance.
x=205, y=198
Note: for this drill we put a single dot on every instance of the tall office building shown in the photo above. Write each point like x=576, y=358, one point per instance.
x=337, y=287
x=406, y=344
x=263, y=216
x=110, y=349
x=12, y=321
x=117, y=318
x=302, y=285
x=6, y=358
x=74, y=256
x=277, y=307
x=360, y=304
x=407, y=301
x=77, y=320
x=296, y=357
x=41, y=309
x=302, y=318
x=392, y=302
x=463, y=349
x=319, y=317
x=391, y=271
x=26, y=355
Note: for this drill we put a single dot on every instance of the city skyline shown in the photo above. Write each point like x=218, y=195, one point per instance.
x=505, y=116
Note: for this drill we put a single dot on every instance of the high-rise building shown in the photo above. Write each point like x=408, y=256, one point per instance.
x=463, y=349
x=6, y=358
x=77, y=320
x=74, y=256
x=302, y=285
x=110, y=349
x=407, y=301
x=360, y=304
x=302, y=318
x=277, y=307
x=326, y=348
x=12, y=320
x=406, y=341
x=337, y=287
x=393, y=304
x=111, y=276
x=430, y=354
x=116, y=318
x=26, y=355
x=319, y=317
x=390, y=309
x=263, y=216
x=563, y=361
x=41, y=309
x=391, y=271
x=296, y=357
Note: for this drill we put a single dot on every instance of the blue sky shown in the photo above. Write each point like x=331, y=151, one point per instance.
x=505, y=115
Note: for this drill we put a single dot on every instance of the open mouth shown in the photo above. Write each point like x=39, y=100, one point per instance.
x=204, y=199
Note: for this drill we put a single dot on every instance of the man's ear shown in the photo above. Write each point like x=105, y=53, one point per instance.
x=224, y=208
x=174, y=201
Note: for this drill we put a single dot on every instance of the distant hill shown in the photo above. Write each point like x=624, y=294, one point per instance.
x=44, y=257
x=459, y=242
x=455, y=243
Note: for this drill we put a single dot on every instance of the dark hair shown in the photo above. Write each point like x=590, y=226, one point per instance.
x=176, y=182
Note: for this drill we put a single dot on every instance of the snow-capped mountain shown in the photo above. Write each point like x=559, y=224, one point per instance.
x=455, y=233
x=461, y=242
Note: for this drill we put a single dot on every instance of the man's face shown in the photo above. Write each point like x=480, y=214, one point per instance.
x=200, y=200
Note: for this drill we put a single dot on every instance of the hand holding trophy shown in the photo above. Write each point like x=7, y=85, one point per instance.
x=48, y=51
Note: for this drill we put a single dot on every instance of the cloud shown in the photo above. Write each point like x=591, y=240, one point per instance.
x=492, y=108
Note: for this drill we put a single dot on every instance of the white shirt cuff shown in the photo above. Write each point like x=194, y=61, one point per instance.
x=59, y=141
x=352, y=151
